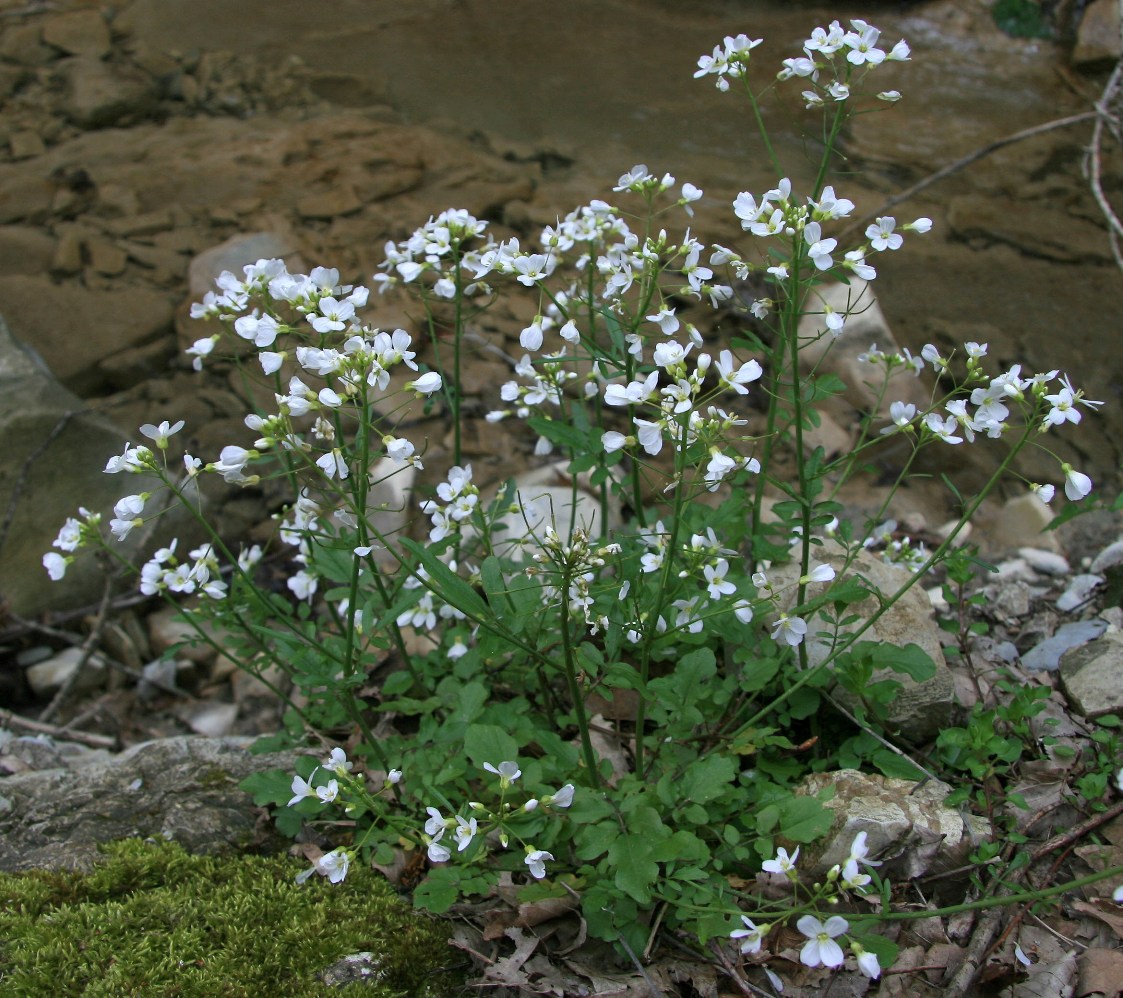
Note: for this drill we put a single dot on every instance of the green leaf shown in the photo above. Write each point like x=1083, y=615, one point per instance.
x=707, y=779
x=636, y=871
x=438, y=891
x=489, y=743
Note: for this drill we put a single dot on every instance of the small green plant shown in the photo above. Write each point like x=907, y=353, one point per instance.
x=151, y=919
x=1021, y=18
x=600, y=688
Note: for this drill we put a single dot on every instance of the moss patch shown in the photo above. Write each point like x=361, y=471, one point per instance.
x=153, y=920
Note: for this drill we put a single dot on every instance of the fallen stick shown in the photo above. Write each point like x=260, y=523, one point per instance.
x=82, y=737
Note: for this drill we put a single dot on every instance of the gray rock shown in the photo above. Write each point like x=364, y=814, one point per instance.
x=1045, y=562
x=46, y=678
x=99, y=95
x=920, y=709
x=184, y=789
x=47, y=468
x=906, y=824
x=1021, y=523
x=1109, y=557
x=1092, y=676
x=360, y=968
x=234, y=254
x=1047, y=654
x=1079, y=590
x=1097, y=38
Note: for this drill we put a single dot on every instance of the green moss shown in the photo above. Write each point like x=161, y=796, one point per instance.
x=153, y=920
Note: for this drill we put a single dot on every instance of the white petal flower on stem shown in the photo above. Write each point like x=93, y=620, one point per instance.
x=161, y=433
x=717, y=585
x=56, y=565
x=507, y=772
x=536, y=862
x=334, y=865
x=783, y=863
x=818, y=249
x=427, y=384
x=337, y=762
x=867, y=962
x=791, y=630
x=818, y=573
x=820, y=947
x=563, y=798
x=1077, y=484
x=751, y=935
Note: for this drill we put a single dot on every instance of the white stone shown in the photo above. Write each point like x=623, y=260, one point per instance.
x=47, y=678
x=1045, y=562
x=1109, y=557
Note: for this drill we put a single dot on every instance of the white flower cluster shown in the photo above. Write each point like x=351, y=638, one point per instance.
x=821, y=948
x=481, y=821
x=993, y=401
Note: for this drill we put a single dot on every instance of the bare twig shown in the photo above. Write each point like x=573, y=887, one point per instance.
x=83, y=737
x=87, y=651
x=1092, y=159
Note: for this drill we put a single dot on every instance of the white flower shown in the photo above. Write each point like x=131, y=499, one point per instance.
x=1077, y=485
x=465, y=831
x=751, y=934
x=337, y=762
x=334, y=865
x=783, y=863
x=300, y=790
x=536, y=862
x=818, y=573
x=881, y=235
x=426, y=384
x=819, y=249
x=563, y=798
x=55, y=564
x=867, y=962
x=161, y=433
x=789, y=629
x=717, y=585
x=507, y=772
x=820, y=947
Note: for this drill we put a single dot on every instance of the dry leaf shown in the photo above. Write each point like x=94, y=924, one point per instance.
x=1105, y=911
x=1101, y=973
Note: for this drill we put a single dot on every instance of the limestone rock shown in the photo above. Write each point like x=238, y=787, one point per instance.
x=82, y=327
x=906, y=824
x=184, y=789
x=47, y=677
x=920, y=709
x=1093, y=676
x=839, y=355
x=1049, y=654
x=1021, y=523
x=1097, y=38
x=25, y=250
x=24, y=197
x=78, y=32
x=45, y=487
x=1049, y=232
x=99, y=95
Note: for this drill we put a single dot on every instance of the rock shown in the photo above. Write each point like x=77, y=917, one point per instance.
x=105, y=258
x=158, y=678
x=1079, y=590
x=1092, y=676
x=99, y=95
x=358, y=968
x=213, y=720
x=236, y=253
x=920, y=709
x=1047, y=654
x=1097, y=38
x=68, y=253
x=1109, y=557
x=839, y=355
x=75, y=329
x=25, y=250
x=48, y=466
x=1021, y=523
x=47, y=678
x=78, y=32
x=1045, y=562
x=167, y=628
x=905, y=823
x=1048, y=232
x=26, y=145
x=24, y=197
x=184, y=789
x=329, y=204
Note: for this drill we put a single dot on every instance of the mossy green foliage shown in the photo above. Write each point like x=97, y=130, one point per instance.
x=153, y=920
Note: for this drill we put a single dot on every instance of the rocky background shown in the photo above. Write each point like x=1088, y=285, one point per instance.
x=146, y=146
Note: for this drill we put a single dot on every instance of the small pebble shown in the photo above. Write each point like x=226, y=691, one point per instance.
x=1047, y=654
x=1080, y=589
x=1109, y=557
x=1045, y=562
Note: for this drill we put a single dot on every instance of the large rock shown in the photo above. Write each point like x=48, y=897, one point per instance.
x=78, y=32
x=1097, y=38
x=98, y=95
x=921, y=709
x=1093, y=676
x=51, y=463
x=866, y=327
x=184, y=789
x=906, y=824
x=78, y=331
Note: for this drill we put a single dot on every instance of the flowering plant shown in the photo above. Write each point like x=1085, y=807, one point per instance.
x=632, y=636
